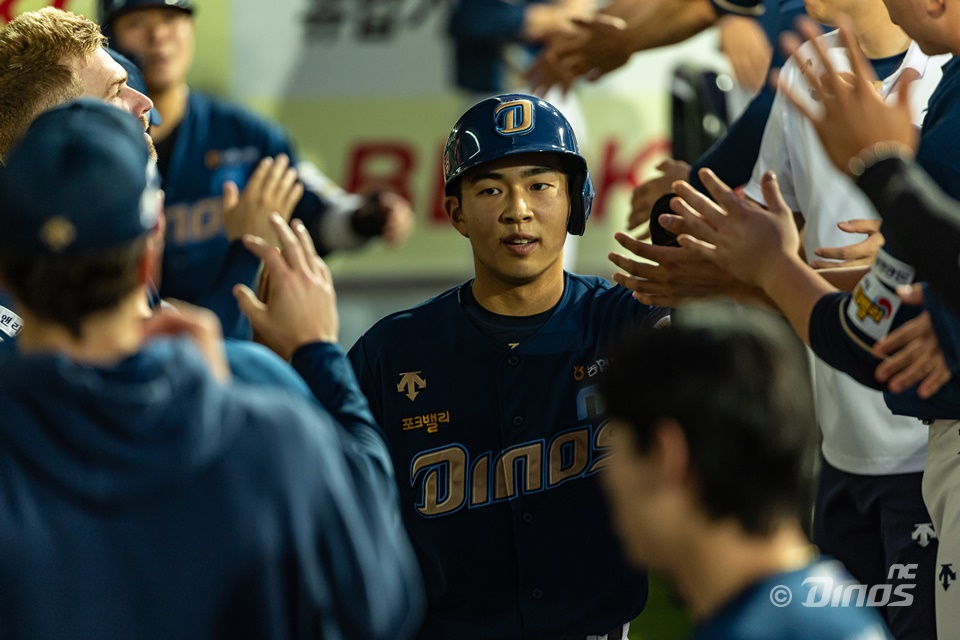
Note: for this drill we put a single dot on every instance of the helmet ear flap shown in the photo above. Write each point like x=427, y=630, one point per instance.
x=581, y=197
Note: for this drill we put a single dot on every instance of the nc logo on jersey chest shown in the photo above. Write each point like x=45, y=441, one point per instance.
x=514, y=118
x=409, y=384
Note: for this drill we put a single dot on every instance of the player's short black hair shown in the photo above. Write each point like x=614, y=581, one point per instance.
x=68, y=288
x=736, y=381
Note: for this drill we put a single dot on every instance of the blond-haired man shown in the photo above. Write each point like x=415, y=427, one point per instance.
x=50, y=56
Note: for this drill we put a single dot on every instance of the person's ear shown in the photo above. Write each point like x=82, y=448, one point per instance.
x=451, y=204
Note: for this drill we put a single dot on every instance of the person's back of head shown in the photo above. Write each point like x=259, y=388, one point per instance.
x=735, y=381
x=38, y=50
x=78, y=196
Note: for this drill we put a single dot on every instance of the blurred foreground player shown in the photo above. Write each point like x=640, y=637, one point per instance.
x=487, y=396
x=712, y=470
x=147, y=496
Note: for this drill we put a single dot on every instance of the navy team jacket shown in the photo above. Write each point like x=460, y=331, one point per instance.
x=145, y=500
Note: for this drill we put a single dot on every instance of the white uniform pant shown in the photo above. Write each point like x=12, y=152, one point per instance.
x=941, y=493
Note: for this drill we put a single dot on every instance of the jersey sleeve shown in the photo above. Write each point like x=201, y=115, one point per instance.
x=375, y=579
x=733, y=156
x=946, y=325
x=363, y=369
x=845, y=326
x=360, y=572
x=923, y=219
x=331, y=378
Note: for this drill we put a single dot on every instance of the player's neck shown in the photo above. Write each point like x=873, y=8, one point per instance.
x=512, y=299
x=105, y=337
x=722, y=562
x=172, y=105
x=878, y=37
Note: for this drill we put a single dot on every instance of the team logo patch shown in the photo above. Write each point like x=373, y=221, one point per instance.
x=875, y=299
x=57, y=234
x=10, y=323
x=514, y=118
x=923, y=533
x=580, y=371
x=409, y=383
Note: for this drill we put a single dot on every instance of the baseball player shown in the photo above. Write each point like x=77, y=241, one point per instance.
x=146, y=494
x=208, y=147
x=869, y=511
x=487, y=396
x=712, y=472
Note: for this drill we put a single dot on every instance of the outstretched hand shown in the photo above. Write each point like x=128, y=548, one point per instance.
x=858, y=254
x=272, y=188
x=299, y=301
x=670, y=276
x=597, y=46
x=854, y=117
x=734, y=233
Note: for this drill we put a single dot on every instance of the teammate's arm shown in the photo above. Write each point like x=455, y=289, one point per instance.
x=759, y=246
x=606, y=40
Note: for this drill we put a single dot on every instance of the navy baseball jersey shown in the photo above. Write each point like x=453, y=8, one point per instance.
x=496, y=451
x=151, y=501
x=219, y=142
x=816, y=602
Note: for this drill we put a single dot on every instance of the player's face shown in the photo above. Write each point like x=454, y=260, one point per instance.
x=103, y=78
x=515, y=214
x=162, y=41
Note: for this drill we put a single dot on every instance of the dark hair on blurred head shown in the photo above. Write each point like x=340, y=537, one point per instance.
x=736, y=381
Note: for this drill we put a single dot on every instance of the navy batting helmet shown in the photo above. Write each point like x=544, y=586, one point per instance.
x=108, y=10
x=515, y=123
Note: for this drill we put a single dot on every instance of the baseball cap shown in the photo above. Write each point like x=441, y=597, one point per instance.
x=108, y=10
x=135, y=81
x=81, y=178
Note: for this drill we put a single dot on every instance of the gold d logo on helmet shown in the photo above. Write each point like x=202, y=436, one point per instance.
x=514, y=118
